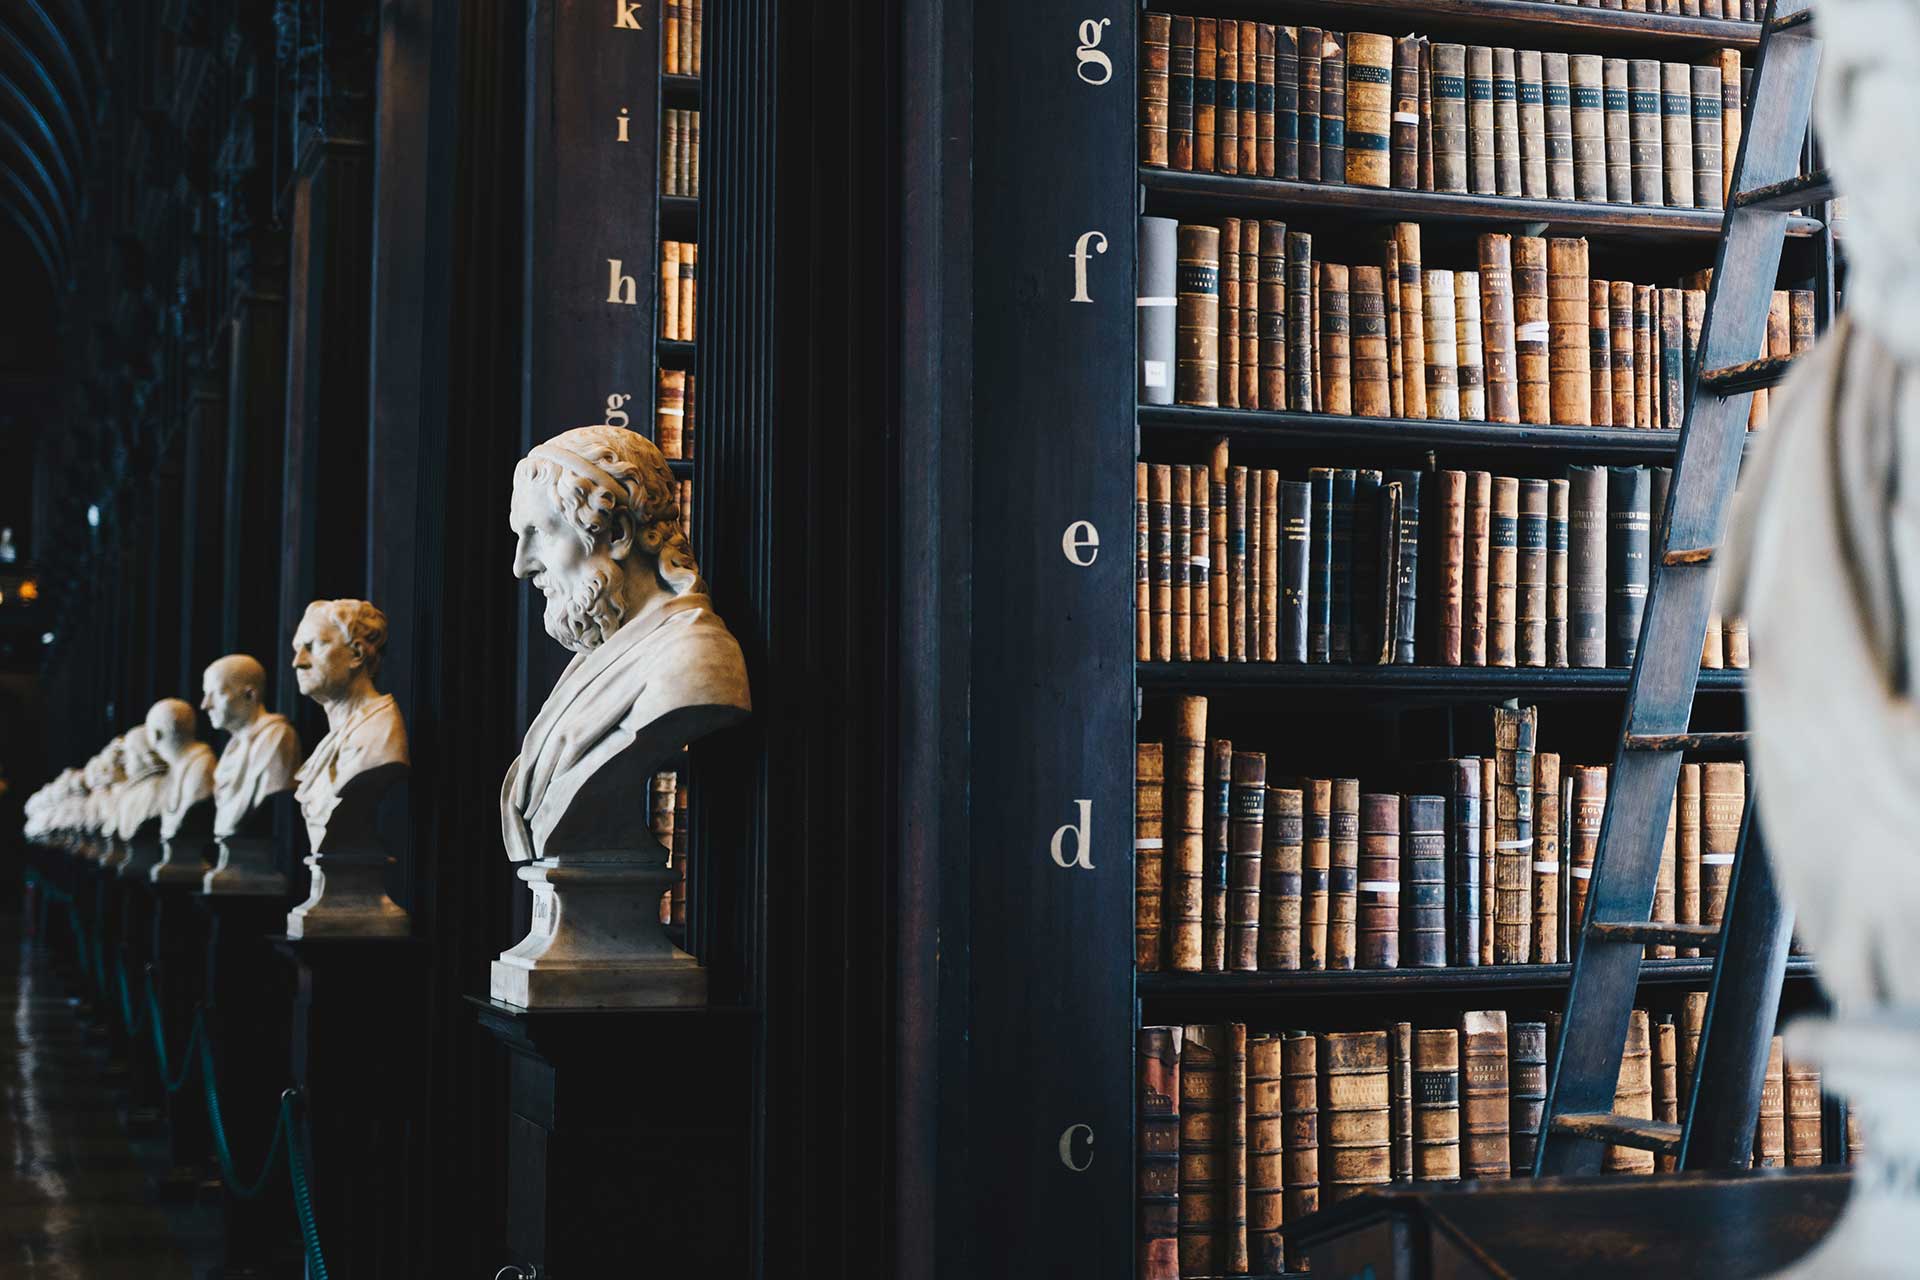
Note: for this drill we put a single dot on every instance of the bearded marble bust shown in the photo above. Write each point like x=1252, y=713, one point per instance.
x=262, y=751
x=336, y=655
x=597, y=530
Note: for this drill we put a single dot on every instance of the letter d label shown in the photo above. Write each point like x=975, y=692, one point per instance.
x=1081, y=832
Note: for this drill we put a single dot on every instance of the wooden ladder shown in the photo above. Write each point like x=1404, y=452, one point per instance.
x=1750, y=947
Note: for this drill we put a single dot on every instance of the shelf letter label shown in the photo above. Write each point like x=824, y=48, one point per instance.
x=1066, y=1147
x=1081, y=829
x=1095, y=67
x=621, y=289
x=1099, y=242
x=622, y=123
x=1080, y=537
x=623, y=15
x=615, y=411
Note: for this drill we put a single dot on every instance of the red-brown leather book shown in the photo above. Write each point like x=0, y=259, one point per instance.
x=1226, y=99
x=1335, y=354
x=1559, y=500
x=1160, y=537
x=1265, y=70
x=1663, y=881
x=1770, y=1130
x=1532, y=328
x=1379, y=882
x=1405, y=139
x=1249, y=98
x=1159, y=1167
x=1484, y=1120
x=1203, y=1132
x=1270, y=539
x=1196, y=369
x=670, y=411
x=1213, y=957
x=1250, y=313
x=1232, y=1249
x=1156, y=50
x=1231, y=312
x=1206, y=54
x=1246, y=826
x=1527, y=1092
x=1266, y=1155
x=1803, y=1134
x=1620, y=348
x=1546, y=858
x=1666, y=1081
x=1496, y=326
x=1343, y=873
x=1149, y=858
x=1633, y=1094
x=1686, y=866
x=1218, y=593
x=1436, y=1105
x=1184, y=816
x=1280, y=879
x=1256, y=561
x=1450, y=529
x=1316, y=863
x=1476, y=565
x=1723, y=796
x=1503, y=569
x=1413, y=310
x=1530, y=573
x=1372, y=393
x=1355, y=1140
x=1390, y=290
x=1180, y=93
x=1400, y=1099
x=1199, y=560
x=1514, y=731
x=1369, y=77
x=1693, y=1021
x=1589, y=807
x=1180, y=544
x=1273, y=315
x=1237, y=515
x=1568, y=338
x=1300, y=1099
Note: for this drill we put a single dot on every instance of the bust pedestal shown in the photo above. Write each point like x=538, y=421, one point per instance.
x=348, y=898
x=244, y=867
x=143, y=854
x=183, y=854
x=596, y=939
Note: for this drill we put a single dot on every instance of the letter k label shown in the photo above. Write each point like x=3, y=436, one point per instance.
x=623, y=15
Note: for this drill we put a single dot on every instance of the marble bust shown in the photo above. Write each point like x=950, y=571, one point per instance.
x=141, y=795
x=103, y=797
x=171, y=729
x=336, y=655
x=597, y=531
x=262, y=751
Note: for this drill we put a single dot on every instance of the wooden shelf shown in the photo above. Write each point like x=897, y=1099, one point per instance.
x=1168, y=990
x=1205, y=194
x=673, y=354
x=680, y=91
x=1450, y=682
x=682, y=469
x=1547, y=25
x=1285, y=429
x=680, y=210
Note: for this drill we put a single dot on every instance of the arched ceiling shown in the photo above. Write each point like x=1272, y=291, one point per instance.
x=49, y=81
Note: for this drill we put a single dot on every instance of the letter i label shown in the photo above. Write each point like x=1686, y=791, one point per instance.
x=622, y=123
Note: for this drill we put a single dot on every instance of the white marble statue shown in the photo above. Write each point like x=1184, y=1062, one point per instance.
x=173, y=728
x=1824, y=561
x=103, y=799
x=597, y=530
x=139, y=799
x=262, y=752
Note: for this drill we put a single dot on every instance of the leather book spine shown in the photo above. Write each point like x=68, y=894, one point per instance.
x=1232, y=1249
x=1199, y=560
x=1256, y=562
x=1214, y=874
x=1365, y=592
x=1530, y=87
x=1180, y=50
x=1226, y=99
x=1676, y=131
x=1506, y=124
x=1158, y=302
x=1426, y=114
x=1693, y=1021
x=1600, y=351
x=1619, y=129
x=1272, y=305
x=1449, y=117
x=1320, y=564
x=1296, y=516
x=1316, y=861
x=1436, y=1105
x=1413, y=342
x=1300, y=1100
x=1489, y=842
x=1205, y=60
x=1232, y=312
x=1803, y=1115
x=1142, y=563
x=1531, y=329
x=1181, y=609
x=1779, y=343
x=1266, y=1156
x=1546, y=859
x=1856, y=1145
x=1160, y=537
x=1770, y=1129
x=1423, y=881
x=1159, y=1167
x=1299, y=322
x=1250, y=313
x=1476, y=587
x=1451, y=525
x=1666, y=1082
x=1686, y=866
x=1708, y=189
x=1203, y=1134
x=1800, y=326
x=1443, y=368
x=1463, y=851
x=1586, y=85
x=1335, y=353
x=1723, y=796
x=1620, y=321
x=1513, y=742
x=1587, y=566
x=1355, y=1139
x=1333, y=108
x=1237, y=563
x=1371, y=394
x=671, y=26
x=1629, y=532
x=1527, y=1096
x=1530, y=577
x=1633, y=1094
x=689, y=289
x=1730, y=118
x=1246, y=825
x=1589, y=808
x=1390, y=290
x=1386, y=624
x=1664, y=906
x=1400, y=1099
x=1286, y=102
x=671, y=182
x=1480, y=147
x=690, y=47
x=1149, y=852
x=670, y=289
x=670, y=411
x=1407, y=575
x=1406, y=113
x=1280, y=879
x=1343, y=873
x=1219, y=593
x=1250, y=99
x=1646, y=149
x=1340, y=625
x=1467, y=346
x=1184, y=813
x=1197, y=317
x=1311, y=49
x=1503, y=541
x=1270, y=542
x=1496, y=326
x=1556, y=88
x=1557, y=573
x=1571, y=380
x=1156, y=48
x=1646, y=353
x=1369, y=123
x=1484, y=1120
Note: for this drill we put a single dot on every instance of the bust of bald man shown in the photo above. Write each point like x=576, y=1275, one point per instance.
x=171, y=728
x=262, y=751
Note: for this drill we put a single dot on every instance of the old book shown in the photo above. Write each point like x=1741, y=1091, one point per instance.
x=1246, y=824
x=1646, y=151
x=1232, y=312
x=1232, y=1249
x=1620, y=349
x=1142, y=562
x=1182, y=542
x=1530, y=578
x=1463, y=852
x=1184, y=813
x=1214, y=872
x=1406, y=578
x=1484, y=1120
x=1159, y=1167
x=1295, y=512
x=1369, y=122
x=1629, y=532
x=1586, y=82
x=1854, y=1138
x=1204, y=1052
x=1343, y=874
x=1219, y=593
x=1770, y=1130
x=1693, y=1021
x=1557, y=498
x=1496, y=327
x=1736, y=635
x=1355, y=1137
x=1489, y=842
x=1280, y=879
x=1423, y=881
x=1400, y=1099
x=1320, y=564
x=670, y=289
x=1800, y=322
x=1687, y=837
x=1480, y=146
x=1266, y=1154
x=1802, y=1114
x=1506, y=125
x=1406, y=113
x=1449, y=117
x=1676, y=132
x=1238, y=515
x=1206, y=43
x=1730, y=120
x=1663, y=879
x=1316, y=852
x=1197, y=317
x=1299, y=322
x=1312, y=50
x=1503, y=540
x=1250, y=313
x=1545, y=945
x=1673, y=346
x=1286, y=103
x=1436, y=1105
x=1443, y=371
x=1476, y=586
x=1449, y=514
x=1395, y=501
x=1556, y=79
x=1532, y=329
x=1531, y=89
x=670, y=410
x=1340, y=628
x=1600, y=351
x=1723, y=796
x=1619, y=127
x=1160, y=298
x=1708, y=189
x=1180, y=92
x=1250, y=98
x=1514, y=731
x=1199, y=563
x=1589, y=808
x=1467, y=346
x=1149, y=781
x=1633, y=1094
x=1335, y=355
x=1300, y=1102
x=1226, y=99
x=689, y=289
x=1156, y=46
x=1160, y=542
x=1571, y=381
x=1270, y=540
x=1367, y=591
x=1390, y=290
x=1426, y=114
x=1666, y=1081
x=1371, y=397
x=1271, y=303
x=1413, y=342
x=1333, y=107
x=1527, y=1070
x=1646, y=349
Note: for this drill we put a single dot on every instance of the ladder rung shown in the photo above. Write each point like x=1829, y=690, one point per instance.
x=1788, y=21
x=1754, y=375
x=1667, y=933
x=1685, y=741
x=1794, y=193
x=1623, y=1131
x=1687, y=555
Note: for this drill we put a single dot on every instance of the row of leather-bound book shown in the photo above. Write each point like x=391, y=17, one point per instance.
x=1266, y=100
x=1242, y=1133
x=679, y=152
x=681, y=22
x=1483, y=860
x=1442, y=567
x=1242, y=314
x=667, y=820
x=1734, y=10
x=674, y=408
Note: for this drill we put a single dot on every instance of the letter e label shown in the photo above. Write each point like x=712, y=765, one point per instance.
x=1080, y=544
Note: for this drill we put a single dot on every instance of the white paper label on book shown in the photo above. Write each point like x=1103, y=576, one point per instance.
x=1153, y=372
x=1149, y=842
x=1580, y=873
x=1547, y=868
x=1380, y=886
x=1532, y=331
x=1716, y=859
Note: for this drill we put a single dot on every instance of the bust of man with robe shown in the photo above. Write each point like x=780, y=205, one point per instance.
x=170, y=728
x=336, y=655
x=262, y=751
x=139, y=798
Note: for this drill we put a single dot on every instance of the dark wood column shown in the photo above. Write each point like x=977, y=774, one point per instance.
x=202, y=528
